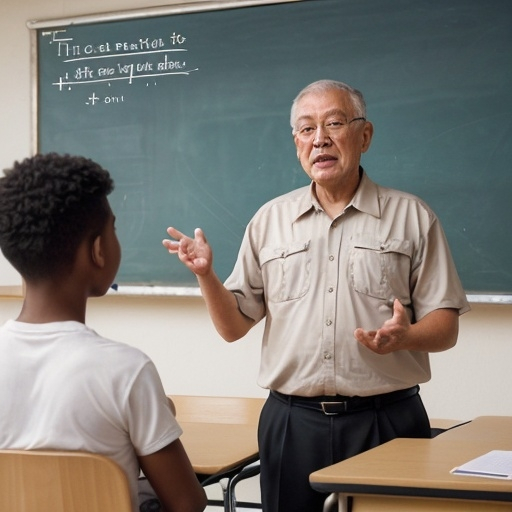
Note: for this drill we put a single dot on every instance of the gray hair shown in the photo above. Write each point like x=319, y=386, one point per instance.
x=328, y=85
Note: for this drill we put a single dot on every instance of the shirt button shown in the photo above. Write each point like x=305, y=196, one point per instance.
x=327, y=356
x=328, y=322
x=330, y=289
x=331, y=257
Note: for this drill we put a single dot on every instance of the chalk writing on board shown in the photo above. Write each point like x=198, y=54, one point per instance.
x=110, y=62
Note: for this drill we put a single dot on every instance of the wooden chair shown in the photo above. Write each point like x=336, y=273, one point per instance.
x=59, y=481
x=216, y=412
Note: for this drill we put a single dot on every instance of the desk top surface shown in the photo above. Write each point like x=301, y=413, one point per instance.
x=404, y=464
x=215, y=447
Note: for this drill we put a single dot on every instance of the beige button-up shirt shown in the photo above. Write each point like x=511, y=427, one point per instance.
x=315, y=280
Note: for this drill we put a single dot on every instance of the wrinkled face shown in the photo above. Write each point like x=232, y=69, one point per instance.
x=330, y=138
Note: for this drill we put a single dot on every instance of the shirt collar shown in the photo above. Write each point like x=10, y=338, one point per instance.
x=307, y=202
x=366, y=198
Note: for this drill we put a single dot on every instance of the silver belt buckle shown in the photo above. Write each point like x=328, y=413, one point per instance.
x=325, y=406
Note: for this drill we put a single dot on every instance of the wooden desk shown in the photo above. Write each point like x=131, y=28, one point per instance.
x=414, y=474
x=220, y=436
x=219, y=447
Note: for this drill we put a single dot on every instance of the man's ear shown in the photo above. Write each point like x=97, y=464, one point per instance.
x=367, y=136
x=97, y=252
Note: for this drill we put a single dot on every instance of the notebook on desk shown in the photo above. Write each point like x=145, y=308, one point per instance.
x=494, y=464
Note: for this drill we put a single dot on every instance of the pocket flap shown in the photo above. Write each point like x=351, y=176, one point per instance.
x=272, y=253
x=391, y=245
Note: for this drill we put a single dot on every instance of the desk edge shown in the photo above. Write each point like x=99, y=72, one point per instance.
x=422, y=492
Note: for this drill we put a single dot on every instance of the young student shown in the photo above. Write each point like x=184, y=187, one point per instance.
x=62, y=385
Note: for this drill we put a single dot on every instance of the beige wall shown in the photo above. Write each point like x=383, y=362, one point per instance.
x=472, y=379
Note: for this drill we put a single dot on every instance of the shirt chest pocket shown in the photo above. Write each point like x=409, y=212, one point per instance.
x=286, y=271
x=381, y=269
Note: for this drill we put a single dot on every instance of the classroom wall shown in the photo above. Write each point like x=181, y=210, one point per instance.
x=470, y=380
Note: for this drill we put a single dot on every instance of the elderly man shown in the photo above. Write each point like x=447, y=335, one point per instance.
x=356, y=284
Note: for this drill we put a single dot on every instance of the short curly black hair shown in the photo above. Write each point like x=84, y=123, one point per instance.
x=48, y=204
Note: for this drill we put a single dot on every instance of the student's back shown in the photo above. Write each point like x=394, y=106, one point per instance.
x=62, y=386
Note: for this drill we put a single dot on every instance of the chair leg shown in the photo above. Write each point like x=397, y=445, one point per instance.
x=331, y=503
x=229, y=496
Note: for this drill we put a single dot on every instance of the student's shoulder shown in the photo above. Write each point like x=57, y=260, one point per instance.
x=113, y=349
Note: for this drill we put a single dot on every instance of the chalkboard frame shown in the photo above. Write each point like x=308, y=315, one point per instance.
x=36, y=25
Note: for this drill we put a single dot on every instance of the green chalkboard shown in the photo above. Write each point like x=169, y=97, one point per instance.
x=190, y=113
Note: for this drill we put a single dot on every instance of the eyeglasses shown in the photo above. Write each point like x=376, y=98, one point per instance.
x=332, y=128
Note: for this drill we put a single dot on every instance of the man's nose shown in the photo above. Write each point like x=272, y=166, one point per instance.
x=321, y=137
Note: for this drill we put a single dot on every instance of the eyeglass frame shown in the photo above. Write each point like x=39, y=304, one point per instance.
x=306, y=137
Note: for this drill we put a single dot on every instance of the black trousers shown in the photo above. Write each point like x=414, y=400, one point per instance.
x=294, y=441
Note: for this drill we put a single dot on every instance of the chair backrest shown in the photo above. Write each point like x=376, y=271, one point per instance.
x=217, y=409
x=57, y=481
